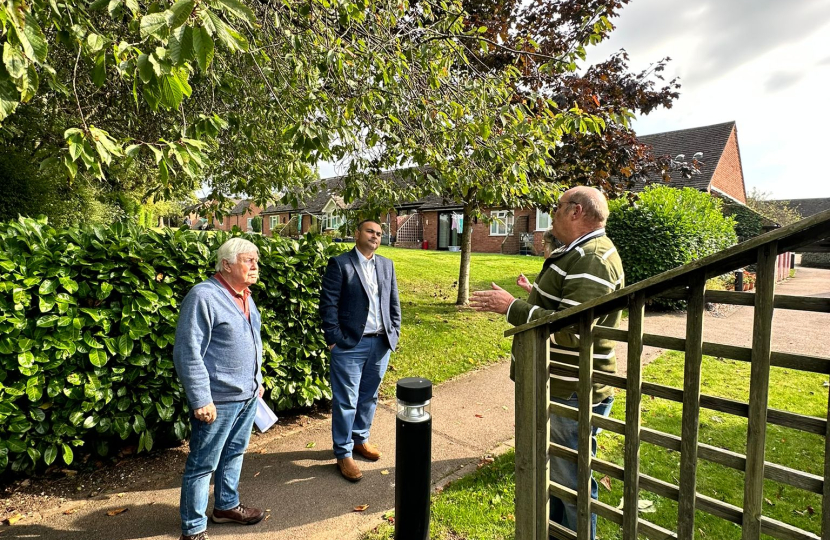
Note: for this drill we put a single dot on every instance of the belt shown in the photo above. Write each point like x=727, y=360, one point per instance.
x=378, y=334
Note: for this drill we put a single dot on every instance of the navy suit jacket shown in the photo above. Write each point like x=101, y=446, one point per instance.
x=344, y=300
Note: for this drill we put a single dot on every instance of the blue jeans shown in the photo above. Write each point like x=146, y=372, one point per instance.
x=565, y=432
x=356, y=374
x=218, y=447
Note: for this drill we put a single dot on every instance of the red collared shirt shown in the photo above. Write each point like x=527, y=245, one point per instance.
x=240, y=298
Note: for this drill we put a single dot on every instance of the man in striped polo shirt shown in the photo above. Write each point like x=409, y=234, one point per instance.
x=585, y=267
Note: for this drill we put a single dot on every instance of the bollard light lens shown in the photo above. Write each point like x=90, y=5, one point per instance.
x=414, y=412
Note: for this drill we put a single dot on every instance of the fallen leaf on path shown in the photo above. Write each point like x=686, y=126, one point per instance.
x=267, y=517
x=384, y=472
x=606, y=482
x=311, y=444
x=361, y=508
x=70, y=511
x=479, y=416
x=14, y=519
x=256, y=474
x=116, y=511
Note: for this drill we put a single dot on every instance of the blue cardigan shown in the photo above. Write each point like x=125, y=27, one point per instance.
x=218, y=352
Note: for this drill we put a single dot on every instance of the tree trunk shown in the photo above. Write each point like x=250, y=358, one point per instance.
x=466, y=248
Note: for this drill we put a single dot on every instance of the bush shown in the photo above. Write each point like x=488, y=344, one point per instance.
x=88, y=321
x=748, y=223
x=667, y=228
x=815, y=260
x=256, y=224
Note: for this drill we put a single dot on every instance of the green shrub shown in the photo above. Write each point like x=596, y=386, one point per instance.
x=256, y=224
x=748, y=223
x=87, y=323
x=815, y=260
x=667, y=228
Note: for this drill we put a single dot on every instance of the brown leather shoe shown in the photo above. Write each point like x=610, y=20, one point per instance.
x=244, y=515
x=368, y=451
x=198, y=536
x=349, y=469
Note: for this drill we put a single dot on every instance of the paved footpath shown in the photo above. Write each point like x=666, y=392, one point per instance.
x=473, y=417
x=307, y=497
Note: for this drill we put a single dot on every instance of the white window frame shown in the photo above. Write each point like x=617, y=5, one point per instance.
x=540, y=216
x=273, y=221
x=250, y=224
x=502, y=222
x=330, y=219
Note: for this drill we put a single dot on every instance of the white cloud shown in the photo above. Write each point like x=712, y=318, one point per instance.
x=763, y=64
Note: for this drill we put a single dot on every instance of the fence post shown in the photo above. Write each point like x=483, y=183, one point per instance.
x=585, y=395
x=691, y=407
x=633, y=398
x=531, y=353
x=759, y=391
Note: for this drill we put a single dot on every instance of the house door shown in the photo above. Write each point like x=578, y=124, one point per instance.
x=448, y=237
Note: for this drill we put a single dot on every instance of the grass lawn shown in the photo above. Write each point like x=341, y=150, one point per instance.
x=790, y=390
x=438, y=339
x=477, y=507
x=480, y=507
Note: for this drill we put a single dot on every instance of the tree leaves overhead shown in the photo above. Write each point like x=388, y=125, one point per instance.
x=375, y=85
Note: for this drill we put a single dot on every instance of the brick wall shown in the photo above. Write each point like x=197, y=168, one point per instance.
x=482, y=242
x=240, y=220
x=728, y=176
x=429, y=220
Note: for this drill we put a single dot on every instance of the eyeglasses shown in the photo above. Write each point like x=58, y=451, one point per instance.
x=556, y=207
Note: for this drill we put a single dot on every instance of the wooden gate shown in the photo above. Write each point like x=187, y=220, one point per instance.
x=533, y=406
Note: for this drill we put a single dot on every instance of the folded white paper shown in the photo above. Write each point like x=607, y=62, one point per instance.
x=265, y=417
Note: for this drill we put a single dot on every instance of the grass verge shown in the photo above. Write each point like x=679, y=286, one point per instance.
x=795, y=391
x=440, y=340
x=481, y=506
x=476, y=507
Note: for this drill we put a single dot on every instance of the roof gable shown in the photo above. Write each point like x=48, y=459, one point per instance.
x=711, y=140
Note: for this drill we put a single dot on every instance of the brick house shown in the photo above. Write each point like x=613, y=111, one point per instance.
x=435, y=223
x=520, y=230
x=240, y=216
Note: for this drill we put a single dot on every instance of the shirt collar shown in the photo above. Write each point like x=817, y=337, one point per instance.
x=363, y=259
x=588, y=236
x=244, y=293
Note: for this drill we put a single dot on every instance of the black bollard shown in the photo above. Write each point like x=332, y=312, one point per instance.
x=413, y=459
x=739, y=280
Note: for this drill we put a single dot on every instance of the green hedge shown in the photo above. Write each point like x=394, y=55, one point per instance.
x=667, y=228
x=87, y=322
x=815, y=260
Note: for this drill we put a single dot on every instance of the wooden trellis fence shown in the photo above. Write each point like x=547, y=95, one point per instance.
x=533, y=406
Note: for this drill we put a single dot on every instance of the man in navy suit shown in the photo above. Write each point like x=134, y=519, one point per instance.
x=362, y=322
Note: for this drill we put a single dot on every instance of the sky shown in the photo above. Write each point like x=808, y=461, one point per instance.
x=763, y=63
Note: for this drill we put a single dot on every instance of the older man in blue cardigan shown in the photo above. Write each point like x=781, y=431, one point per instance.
x=218, y=355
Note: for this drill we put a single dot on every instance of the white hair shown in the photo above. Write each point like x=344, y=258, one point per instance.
x=233, y=247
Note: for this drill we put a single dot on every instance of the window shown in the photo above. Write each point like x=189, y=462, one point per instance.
x=250, y=224
x=502, y=223
x=542, y=220
x=273, y=222
x=332, y=221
